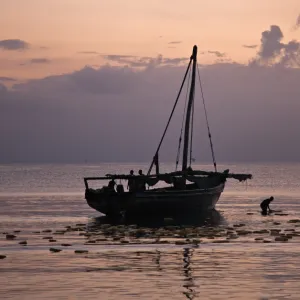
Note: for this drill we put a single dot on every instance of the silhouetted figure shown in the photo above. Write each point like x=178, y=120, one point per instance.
x=179, y=183
x=142, y=183
x=265, y=206
x=131, y=183
x=111, y=185
x=120, y=189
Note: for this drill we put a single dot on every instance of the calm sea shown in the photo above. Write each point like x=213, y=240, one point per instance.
x=237, y=254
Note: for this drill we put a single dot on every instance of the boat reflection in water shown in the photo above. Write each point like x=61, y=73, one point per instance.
x=146, y=253
x=211, y=218
x=190, y=292
x=188, y=280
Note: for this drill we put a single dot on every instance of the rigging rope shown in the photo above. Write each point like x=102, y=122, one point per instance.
x=162, y=138
x=192, y=129
x=208, y=129
x=180, y=137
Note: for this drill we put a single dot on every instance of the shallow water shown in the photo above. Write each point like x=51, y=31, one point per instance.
x=234, y=255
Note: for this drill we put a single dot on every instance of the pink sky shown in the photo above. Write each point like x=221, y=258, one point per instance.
x=57, y=30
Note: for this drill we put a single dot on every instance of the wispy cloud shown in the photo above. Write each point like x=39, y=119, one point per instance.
x=250, y=46
x=145, y=61
x=87, y=52
x=216, y=53
x=7, y=79
x=40, y=61
x=175, y=42
x=13, y=44
x=297, y=25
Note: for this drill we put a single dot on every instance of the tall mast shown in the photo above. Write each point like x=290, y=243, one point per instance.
x=189, y=111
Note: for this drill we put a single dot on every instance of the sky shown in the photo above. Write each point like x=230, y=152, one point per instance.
x=96, y=80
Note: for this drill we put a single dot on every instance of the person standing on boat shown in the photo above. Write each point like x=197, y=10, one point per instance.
x=111, y=185
x=131, y=182
x=142, y=182
x=265, y=205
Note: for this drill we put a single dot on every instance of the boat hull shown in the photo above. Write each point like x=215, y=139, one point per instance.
x=175, y=204
x=156, y=203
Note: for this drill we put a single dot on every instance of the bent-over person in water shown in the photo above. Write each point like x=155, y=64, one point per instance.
x=265, y=205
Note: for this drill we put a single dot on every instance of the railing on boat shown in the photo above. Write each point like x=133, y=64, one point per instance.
x=225, y=174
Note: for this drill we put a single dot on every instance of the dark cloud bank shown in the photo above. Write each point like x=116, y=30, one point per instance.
x=13, y=44
x=118, y=113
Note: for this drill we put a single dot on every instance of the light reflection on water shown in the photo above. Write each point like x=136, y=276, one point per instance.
x=222, y=272
x=144, y=269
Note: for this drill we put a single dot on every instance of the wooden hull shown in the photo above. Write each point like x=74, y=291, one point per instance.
x=158, y=202
x=175, y=203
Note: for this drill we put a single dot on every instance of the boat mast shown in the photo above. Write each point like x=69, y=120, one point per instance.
x=189, y=110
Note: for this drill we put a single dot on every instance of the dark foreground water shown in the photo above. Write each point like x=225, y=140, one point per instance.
x=235, y=254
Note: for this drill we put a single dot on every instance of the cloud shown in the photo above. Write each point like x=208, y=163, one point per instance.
x=297, y=24
x=175, y=42
x=87, y=52
x=118, y=114
x=3, y=91
x=271, y=42
x=7, y=79
x=40, y=61
x=13, y=44
x=250, y=46
x=145, y=61
x=274, y=52
x=216, y=53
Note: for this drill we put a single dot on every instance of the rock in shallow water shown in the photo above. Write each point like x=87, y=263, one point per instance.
x=81, y=251
x=10, y=236
x=2, y=256
x=294, y=221
x=54, y=250
x=221, y=241
x=281, y=239
x=23, y=243
x=180, y=242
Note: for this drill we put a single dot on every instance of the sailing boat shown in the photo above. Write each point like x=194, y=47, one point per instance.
x=189, y=191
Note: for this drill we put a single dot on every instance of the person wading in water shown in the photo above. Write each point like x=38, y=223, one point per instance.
x=265, y=206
